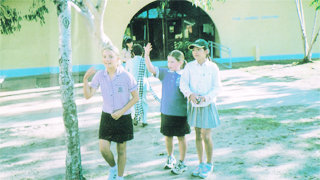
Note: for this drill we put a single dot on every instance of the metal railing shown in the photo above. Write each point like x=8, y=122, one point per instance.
x=222, y=49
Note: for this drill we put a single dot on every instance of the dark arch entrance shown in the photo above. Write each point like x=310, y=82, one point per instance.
x=170, y=25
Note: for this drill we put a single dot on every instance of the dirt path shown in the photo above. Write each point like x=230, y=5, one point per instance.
x=270, y=130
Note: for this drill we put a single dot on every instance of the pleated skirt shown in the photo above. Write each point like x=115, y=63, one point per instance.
x=203, y=117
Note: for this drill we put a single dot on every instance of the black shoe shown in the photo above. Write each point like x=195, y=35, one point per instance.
x=144, y=124
x=135, y=122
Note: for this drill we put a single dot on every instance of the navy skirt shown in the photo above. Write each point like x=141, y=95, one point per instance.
x=119, y=131
x=174, y=125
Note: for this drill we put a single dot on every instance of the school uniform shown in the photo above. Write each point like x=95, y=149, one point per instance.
x=173, y=106
x=116, y=94
x=204, y=80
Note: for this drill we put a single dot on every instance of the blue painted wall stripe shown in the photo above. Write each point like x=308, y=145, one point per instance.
x=8, y=73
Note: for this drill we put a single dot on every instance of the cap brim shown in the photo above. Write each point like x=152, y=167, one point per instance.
x=191, y=46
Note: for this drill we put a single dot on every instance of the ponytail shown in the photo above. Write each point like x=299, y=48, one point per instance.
x=184, y=64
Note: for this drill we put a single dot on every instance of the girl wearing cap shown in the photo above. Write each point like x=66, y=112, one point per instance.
x=173, y=107
x=116, y=86
x=200, y=83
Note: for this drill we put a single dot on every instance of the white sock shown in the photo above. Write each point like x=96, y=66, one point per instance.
x=120, y=178
x=114, y=167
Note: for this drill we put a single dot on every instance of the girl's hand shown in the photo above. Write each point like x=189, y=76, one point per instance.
x=117, y=114
x=147, y=49
x=194, y=98
x=201, y=99
x=89, y=73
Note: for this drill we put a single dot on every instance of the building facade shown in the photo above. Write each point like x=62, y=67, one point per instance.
x=246, y=30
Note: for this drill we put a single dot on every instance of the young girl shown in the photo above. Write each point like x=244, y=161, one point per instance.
x=116, y=124
x=126, y=51
x=200, y=83
x=173, y=107
x=137, y=68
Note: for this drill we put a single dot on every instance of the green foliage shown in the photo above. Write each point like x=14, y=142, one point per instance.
x=10, y=17
x=205, y=4
x=183, y=47
x=316, y=3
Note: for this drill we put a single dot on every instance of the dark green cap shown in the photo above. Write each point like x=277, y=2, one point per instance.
x=200, y=43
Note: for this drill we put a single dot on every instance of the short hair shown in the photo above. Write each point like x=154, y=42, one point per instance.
x=137, y=49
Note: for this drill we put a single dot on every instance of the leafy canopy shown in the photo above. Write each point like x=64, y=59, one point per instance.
x=10, y=17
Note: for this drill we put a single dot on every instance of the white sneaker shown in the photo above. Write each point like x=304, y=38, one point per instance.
x=179, y=168
x=171, y=161
x=113, y=173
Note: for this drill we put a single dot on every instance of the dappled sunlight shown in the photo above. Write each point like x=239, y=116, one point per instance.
x=150, y=163
x=222, y=151
x=312, y=134
x=14, y=109
x=269, y=130
x=275, y=172
x=302, y=120
x=270, y=150
x=16, y=143
x=47, y=131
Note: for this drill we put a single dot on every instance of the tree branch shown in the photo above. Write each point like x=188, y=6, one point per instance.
x=302, y=24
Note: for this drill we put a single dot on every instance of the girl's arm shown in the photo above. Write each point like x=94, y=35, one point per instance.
x=184, y=86
x=149, y=65
x=216, y=89
x=135, y=98
x=87, y=90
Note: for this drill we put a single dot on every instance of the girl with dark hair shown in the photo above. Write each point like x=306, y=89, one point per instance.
x=201, y=84
x=127, y=48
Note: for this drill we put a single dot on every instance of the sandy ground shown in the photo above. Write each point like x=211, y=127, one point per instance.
x=270, y=130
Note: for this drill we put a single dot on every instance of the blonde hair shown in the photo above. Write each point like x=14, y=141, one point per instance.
x=109, y=47
x=179, y=56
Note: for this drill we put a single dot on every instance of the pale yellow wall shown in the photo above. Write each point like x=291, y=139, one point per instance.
x=37, y=46
x=34, y=45
x=273, y=36
x=117, y=16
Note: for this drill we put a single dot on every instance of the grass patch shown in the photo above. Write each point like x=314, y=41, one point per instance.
x=314, y=144
x=233, y=111
x=261, y=123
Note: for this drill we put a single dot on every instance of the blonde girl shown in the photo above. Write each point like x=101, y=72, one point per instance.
x=116, y=86
x=173, y=107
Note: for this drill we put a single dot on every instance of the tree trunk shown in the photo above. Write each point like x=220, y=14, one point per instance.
x=307, y=58
x=73, y=157
x=303, y=28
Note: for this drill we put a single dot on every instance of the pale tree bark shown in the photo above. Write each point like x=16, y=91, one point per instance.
x=307, y=46
x=94, y=13
x=73, y=156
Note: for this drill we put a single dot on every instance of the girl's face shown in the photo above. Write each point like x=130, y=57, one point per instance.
x=130, y=45
x=110, y=59
x=199, y=53
x=174, y=64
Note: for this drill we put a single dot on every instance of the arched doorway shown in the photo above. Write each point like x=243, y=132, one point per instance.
x=170, y=25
